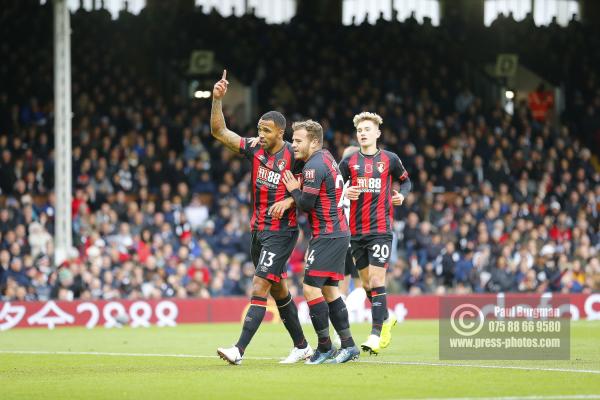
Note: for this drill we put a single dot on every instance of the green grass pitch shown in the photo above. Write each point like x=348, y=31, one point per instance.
x=181, y=363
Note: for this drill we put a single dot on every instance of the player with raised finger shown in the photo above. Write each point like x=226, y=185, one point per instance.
x=273, y=237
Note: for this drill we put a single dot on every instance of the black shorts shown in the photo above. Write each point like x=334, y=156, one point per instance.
x=325, y=261
x=350, y=267
x=270, y=253
x=371, y=250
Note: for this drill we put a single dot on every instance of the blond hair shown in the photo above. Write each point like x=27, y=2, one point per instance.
x=313, y=128
x=367, y=116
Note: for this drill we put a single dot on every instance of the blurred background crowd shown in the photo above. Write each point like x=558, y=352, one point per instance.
x=500, y=202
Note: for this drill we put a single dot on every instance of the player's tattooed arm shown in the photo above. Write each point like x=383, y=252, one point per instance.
x=218, y=128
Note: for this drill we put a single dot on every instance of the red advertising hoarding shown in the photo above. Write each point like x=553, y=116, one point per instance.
x=172, y=312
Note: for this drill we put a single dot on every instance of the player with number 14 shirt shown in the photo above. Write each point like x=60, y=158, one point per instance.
x=320, y=195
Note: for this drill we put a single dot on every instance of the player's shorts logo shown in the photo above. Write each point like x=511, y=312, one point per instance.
x=380, y=167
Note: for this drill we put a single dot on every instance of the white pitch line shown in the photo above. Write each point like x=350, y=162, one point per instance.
x=540, y=397
x=97, y=353
x=417, y=363
x=430, y=364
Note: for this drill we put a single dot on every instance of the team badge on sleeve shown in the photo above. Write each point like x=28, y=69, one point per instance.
x=309, y=175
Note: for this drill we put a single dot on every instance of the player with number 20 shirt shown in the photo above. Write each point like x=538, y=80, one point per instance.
x=370, y=172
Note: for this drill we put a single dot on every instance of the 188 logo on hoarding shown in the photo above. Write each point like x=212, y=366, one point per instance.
x=113, y=314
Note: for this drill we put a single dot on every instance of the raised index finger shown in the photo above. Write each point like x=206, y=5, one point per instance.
x=224, y=75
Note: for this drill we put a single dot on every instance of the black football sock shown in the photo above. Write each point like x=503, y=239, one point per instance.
x=368, y=292
x=319, y=315
x=378, y=309
x=289, y=316
x=338, y=313
x=254, y=317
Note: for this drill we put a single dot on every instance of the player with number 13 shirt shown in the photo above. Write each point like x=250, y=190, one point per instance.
x=273, y=224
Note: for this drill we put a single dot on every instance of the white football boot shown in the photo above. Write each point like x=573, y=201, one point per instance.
x=231, y=355
x=297, y=355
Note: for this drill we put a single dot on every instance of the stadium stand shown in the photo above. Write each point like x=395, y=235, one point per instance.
x=499, y=203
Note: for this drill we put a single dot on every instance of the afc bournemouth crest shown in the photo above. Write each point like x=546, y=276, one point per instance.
x=380, y=167
x=281, y=164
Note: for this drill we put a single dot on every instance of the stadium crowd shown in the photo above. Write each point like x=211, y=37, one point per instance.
x=499, y=202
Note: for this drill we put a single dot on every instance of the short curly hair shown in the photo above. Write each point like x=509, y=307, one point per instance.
x=367, y=116
x=277, y=118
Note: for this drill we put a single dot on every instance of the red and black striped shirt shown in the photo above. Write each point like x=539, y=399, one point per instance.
x=372, y=213
x=323, y=186
x=268, y=187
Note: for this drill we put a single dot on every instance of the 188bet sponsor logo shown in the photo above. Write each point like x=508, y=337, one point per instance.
x=368, y=184
x=268, y=176
x=111, y=314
